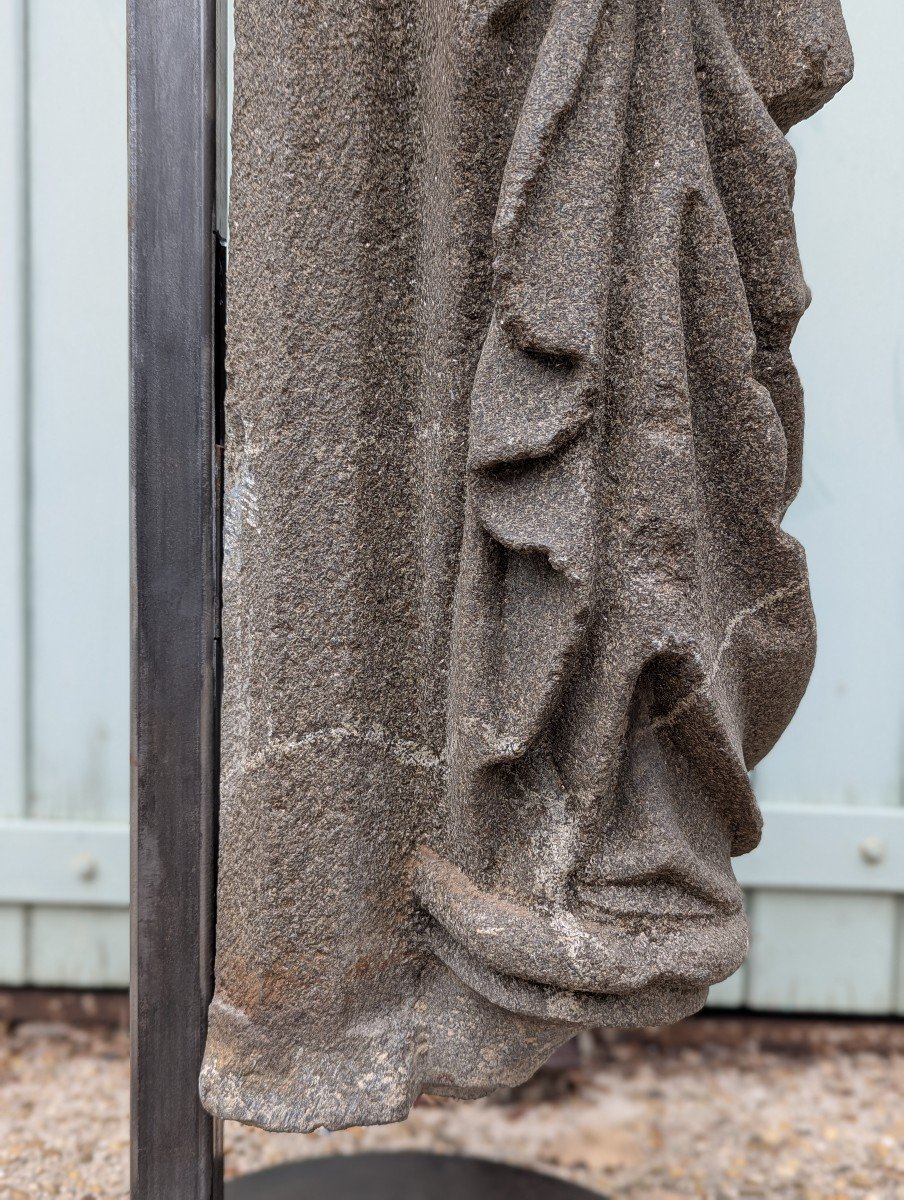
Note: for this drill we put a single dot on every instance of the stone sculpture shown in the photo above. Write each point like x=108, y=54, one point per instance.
x=509, y=614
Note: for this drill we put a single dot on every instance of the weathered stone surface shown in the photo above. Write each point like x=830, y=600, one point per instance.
x=509, y=614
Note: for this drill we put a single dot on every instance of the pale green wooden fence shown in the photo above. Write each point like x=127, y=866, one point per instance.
x=826, y=889
x=64, y=616
x=829, y=931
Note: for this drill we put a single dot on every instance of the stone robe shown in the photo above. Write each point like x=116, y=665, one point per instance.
x=509, y=614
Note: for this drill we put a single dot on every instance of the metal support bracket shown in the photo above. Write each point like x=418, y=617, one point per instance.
x=173, y=87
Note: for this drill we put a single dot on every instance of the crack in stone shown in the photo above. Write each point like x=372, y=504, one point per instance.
x=403, y=749
x=687, y=702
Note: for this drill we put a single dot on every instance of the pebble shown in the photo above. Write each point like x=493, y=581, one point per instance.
x=635, y=1120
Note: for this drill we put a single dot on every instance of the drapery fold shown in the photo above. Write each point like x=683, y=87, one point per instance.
x=509, y=613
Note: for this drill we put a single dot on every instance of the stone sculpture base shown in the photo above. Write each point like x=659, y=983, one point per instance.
x=402, y=1176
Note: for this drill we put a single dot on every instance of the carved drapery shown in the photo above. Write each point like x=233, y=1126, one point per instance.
x=509, y=613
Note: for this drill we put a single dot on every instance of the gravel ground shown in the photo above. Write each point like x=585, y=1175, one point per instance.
x=715, y=1108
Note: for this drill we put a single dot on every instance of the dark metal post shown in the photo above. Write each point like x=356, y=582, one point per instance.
x=173, y=166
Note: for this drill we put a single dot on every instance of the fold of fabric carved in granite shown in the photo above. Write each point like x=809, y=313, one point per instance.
x=512, y=404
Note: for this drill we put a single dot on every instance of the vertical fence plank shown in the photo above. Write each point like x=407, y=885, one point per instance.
x=78, y=410
x=899, y=958
x=78, y=947
x=13, y=960
x=12, y=405
x=12, y=454
x=172, y=93
x=823, y=952
x=833, y=952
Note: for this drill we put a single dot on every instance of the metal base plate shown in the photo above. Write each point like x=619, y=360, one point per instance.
x=401, y=1176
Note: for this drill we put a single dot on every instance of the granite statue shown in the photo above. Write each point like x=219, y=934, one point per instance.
x=509, y=613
